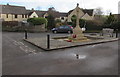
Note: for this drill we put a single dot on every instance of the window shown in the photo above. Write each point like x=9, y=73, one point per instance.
x=62, y=18
x=46, y=16
x=6, y=15
x=33, y=16
x=26, y=16
x=22, y=15
x=16, y=16
x=66, y=26
x=61, y=27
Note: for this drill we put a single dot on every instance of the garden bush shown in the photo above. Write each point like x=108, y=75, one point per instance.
x=37, y=21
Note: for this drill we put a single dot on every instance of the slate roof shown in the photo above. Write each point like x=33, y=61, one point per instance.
x=10, y=9
x=39, y=13
x=89, y=11
x=70, y=11
x=63, y=14
x=53, y=13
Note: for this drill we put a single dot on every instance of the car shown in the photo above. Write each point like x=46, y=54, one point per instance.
x=63, y=29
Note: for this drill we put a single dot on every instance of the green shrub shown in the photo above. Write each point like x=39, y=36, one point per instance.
x=115, y=25
x=37, y=21
x=92, y=25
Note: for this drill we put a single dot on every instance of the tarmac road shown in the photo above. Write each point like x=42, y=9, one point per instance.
x=22, y=58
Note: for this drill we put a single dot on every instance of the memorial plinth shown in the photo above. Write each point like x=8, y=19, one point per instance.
x=77, y=31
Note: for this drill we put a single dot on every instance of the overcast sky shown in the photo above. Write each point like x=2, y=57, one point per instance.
x=66, y=5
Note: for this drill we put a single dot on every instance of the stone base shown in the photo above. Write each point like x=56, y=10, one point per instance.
x=58, y=44
x=78, y=38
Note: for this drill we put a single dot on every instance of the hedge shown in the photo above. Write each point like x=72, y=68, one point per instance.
x=89, y=25
x=37, y=21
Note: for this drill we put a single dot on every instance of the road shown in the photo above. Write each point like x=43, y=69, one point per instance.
x=22, y=58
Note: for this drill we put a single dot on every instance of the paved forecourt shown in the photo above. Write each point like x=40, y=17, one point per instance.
x=41, y=42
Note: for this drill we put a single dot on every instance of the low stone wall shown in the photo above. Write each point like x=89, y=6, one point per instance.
x=107, y=32
x=20, y=27
x=39, y=28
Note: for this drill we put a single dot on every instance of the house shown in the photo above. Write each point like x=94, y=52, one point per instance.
x=51, y=11
x=20, y=13
x=86, y=14
x=13, y=13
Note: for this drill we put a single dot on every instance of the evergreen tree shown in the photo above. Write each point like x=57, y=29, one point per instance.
x=51, y=22
x=110, y=19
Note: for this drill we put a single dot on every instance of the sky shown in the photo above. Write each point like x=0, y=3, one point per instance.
x=66, y=5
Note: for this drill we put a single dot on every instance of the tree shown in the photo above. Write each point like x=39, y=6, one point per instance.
x=111, y=22
x=116, y=25
x=81, y=21
x=58, y=22
x=73, y=18
x=98, y=11
x=51, y=22
x=110, y=19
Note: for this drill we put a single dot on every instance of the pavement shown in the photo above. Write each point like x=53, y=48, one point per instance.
x=41, y=42
x=22, y=58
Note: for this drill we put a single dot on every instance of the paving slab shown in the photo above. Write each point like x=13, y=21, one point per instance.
x=60, y=44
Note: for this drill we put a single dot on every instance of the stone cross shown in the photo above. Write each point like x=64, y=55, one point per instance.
x=77, y=30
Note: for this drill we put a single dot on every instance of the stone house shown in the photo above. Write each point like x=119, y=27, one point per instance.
x=20, y=13
x=86, y=14
x=57, y=15
x=13, y=13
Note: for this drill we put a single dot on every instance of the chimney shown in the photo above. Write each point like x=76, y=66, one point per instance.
x=51, y=9
x=32, y=8
x=7, y=3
